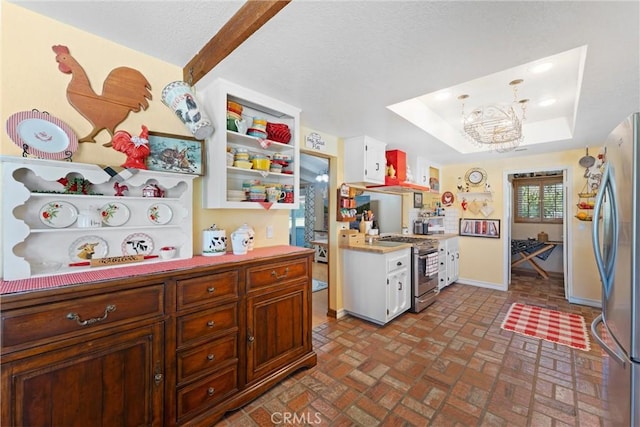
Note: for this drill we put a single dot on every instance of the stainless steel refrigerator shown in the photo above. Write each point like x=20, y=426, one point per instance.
x=616, y=232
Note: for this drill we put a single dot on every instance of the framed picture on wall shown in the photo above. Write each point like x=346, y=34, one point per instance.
x=417, y=200
x=480, y=228
x=175, y=153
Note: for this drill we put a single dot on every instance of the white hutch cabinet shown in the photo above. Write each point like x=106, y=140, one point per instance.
x=40, y=219
x=221, y=176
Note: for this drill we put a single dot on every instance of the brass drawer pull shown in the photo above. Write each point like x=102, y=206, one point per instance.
x=274, y=274
x=75, y=316
x=211, y=323
x=210, y=391
x=210, y=356
x=211, y=289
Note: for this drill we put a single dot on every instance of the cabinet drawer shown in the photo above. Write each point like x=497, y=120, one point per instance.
x=207, y=324
x=273, y=274
x=396, y=262
x=206, y=357
x=205, y=393
x=90, y=313
x=207, y=289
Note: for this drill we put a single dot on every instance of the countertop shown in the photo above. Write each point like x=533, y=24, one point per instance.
x=141, y=268
x=386, y=247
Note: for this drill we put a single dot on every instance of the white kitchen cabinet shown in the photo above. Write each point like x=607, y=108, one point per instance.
x=365, y=161
x=427, y=174
x=448, y=261
x=377, y=287
x=40, y=216
x=220, y=176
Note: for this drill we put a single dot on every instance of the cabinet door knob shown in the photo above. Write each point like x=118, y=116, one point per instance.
x=210, y=391
x=210, y=356
x=158, y=378
x=399, y=263
x=211, y=323
x=211, y=289
x=75, y=316
x=399, y=286
x=377, y=166
x=250, y=336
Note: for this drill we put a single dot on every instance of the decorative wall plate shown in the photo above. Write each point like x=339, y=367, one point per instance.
x=476, y=176
x=447, y=198
x=42, y=135
x=88, y=247
x=114, y=214
x=137, y=244
x=58, y=214
x=159, y=213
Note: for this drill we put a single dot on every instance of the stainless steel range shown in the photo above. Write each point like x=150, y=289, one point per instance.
x=424, y=270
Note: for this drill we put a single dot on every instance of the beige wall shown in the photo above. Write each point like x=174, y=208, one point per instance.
x=483, y=260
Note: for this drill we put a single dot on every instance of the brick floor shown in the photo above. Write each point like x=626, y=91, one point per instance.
x=451, y=365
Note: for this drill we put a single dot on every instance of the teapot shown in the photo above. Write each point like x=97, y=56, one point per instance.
x=247, y=228
x=240, y=242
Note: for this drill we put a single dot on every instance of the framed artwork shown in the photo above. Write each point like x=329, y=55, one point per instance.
x=175, y=153
x=417, y=200
x=480, y=228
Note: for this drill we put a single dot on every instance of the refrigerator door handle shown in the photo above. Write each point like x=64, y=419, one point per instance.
x=605, y=267
x=613, y=353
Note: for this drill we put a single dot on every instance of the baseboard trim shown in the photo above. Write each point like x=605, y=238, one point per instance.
x=585, y=301
x=479, y=284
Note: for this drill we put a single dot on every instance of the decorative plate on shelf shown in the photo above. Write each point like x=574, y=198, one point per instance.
x=58, y=214
x=137, y=244
x=159, y=213
x=88, y=247
x=42, y=135
x=114, y=214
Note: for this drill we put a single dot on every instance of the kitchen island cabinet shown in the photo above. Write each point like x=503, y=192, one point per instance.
x=179, y=346
x=377, y=286
x=448, y=261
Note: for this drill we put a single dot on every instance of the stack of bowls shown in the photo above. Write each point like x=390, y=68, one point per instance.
x=257, y=193
x=234, y=112
x=241, y=159
x=258, y=128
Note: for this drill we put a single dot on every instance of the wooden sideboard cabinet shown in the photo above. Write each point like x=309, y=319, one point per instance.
x=179, y=347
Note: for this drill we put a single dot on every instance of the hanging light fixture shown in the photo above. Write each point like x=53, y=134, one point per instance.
x=323, y=177
x=497, y=127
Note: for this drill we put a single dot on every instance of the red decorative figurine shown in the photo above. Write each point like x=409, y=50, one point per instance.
x=136, y=148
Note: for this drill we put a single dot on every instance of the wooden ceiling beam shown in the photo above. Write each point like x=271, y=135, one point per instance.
x=246, y=21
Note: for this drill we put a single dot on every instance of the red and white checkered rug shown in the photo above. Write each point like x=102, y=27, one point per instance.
x=550, y=325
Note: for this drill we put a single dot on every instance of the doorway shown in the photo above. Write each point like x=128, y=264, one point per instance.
x=536, y=210
x=309, y=228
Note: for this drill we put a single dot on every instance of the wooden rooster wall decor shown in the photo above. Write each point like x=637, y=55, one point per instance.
x=124, y=90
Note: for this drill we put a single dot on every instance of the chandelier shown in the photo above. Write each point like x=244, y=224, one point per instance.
x=496, y=127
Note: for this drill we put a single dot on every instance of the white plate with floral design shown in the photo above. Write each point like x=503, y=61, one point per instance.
x=159, y=213
x=58, y=214
x=137, y=244
x=114, y=214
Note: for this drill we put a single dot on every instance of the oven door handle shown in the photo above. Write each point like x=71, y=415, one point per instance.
x=426, y=256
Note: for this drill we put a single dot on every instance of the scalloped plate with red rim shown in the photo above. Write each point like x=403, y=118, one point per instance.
x=42, y=135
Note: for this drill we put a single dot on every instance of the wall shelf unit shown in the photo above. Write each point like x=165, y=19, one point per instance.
x=222, y=177
x=35, y=247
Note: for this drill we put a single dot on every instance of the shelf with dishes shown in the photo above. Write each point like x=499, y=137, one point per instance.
x=261, y=142
x=46, y=217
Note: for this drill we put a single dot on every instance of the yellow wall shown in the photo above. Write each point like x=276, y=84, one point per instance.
x=482, y=260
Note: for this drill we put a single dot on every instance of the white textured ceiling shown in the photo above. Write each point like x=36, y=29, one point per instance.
x=344, y=62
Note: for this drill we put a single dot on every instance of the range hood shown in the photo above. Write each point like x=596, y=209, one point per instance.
x=397, y=186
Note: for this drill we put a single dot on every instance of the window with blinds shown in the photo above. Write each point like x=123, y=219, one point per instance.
x=538, y=199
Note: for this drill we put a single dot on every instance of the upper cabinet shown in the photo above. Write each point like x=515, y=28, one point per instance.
x=427, y=175
x=270, y=163
x=365, y=161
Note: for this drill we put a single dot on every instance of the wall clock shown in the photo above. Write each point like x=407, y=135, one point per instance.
x=476, y=176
